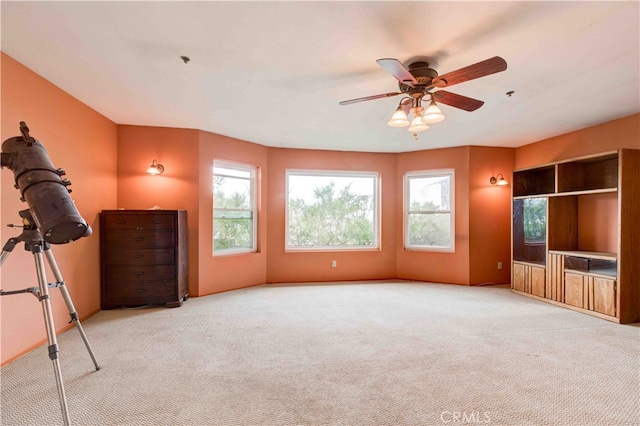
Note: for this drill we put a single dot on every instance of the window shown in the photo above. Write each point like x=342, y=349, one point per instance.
x=535, y=220
x=429, y=213
x=234, y=208
x=330, y=210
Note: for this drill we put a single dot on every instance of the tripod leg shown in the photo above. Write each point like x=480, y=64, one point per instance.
x=45, y=300
x=67, y=299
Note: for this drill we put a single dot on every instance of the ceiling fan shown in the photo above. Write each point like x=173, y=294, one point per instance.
x=417, y=82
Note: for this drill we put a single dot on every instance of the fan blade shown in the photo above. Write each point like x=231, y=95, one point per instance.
x=481, y=69
x=396, y=69
x=457, y=101
x=369, y=98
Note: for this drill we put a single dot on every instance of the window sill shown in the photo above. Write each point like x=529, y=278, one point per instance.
x=234, y=253
x=432, y=249
x=329, y=249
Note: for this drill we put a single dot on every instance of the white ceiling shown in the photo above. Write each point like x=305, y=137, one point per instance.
x=274, y=72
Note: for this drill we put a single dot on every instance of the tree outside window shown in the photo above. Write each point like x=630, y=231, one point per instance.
x=429, y=215
x=535, y=220
x=332, y=210
x=234, y=208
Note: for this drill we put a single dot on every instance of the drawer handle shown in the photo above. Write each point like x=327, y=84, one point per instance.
x=121, y=222
x=139, y=273
x=138, y=256
x=157, y=221
x=140, y=290
x=139, y=238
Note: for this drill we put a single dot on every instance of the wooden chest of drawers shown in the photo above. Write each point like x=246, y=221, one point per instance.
x=143, y=257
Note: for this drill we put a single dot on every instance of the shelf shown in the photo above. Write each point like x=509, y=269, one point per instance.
x=585, y=192
x=598, y=264
x=539, y=181
x=588, y=254
x=594, y=173
x=587, y=175
x=536, y=264
x=568, y=194
x=524, y=197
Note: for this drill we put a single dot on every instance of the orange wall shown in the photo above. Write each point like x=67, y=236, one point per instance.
x=285, y=266
x=485, y=239
x=597, y=222
x=186, y=184
x=612, y=135
x=82, y=142
x=175, y=189
x=437, y=266
x=489, y=215
x=221, y=273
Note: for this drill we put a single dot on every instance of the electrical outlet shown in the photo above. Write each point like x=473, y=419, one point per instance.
x=334, y=263
x=499, y=265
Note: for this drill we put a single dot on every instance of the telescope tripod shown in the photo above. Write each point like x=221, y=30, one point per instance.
x=41, y=249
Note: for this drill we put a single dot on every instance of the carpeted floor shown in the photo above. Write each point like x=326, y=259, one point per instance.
x=398, y=353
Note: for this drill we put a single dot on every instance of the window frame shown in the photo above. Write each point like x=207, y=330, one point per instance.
x=253, y=193
x=451, y=248
x=377, y=205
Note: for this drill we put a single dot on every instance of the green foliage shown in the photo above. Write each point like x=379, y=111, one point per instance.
x=423, y=206
x=232, y=222
x=431, y=230
x=332, y=219
x=428, y=229
x=535, y=220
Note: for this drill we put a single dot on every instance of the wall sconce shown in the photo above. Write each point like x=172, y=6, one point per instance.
x=155, y=168
x=498, y=180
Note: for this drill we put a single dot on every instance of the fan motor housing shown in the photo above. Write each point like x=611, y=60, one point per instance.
x=421, y=72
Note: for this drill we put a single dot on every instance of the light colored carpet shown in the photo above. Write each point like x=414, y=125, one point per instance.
x=397, y=353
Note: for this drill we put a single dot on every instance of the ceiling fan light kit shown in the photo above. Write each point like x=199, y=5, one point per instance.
x=417, y=124
x=418, y=80
x=433, y=114
x=399, y=118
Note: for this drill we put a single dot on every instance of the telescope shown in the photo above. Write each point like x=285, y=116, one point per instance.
x=43, y=189
x=52, y=218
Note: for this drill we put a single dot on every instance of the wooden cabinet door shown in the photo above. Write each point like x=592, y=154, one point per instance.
x=604, y=296
x=555, y=283
x=537, y=280
x=574, y=289
x=518, y=276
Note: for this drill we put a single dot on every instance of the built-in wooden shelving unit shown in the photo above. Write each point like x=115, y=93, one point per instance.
x=552, y=261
